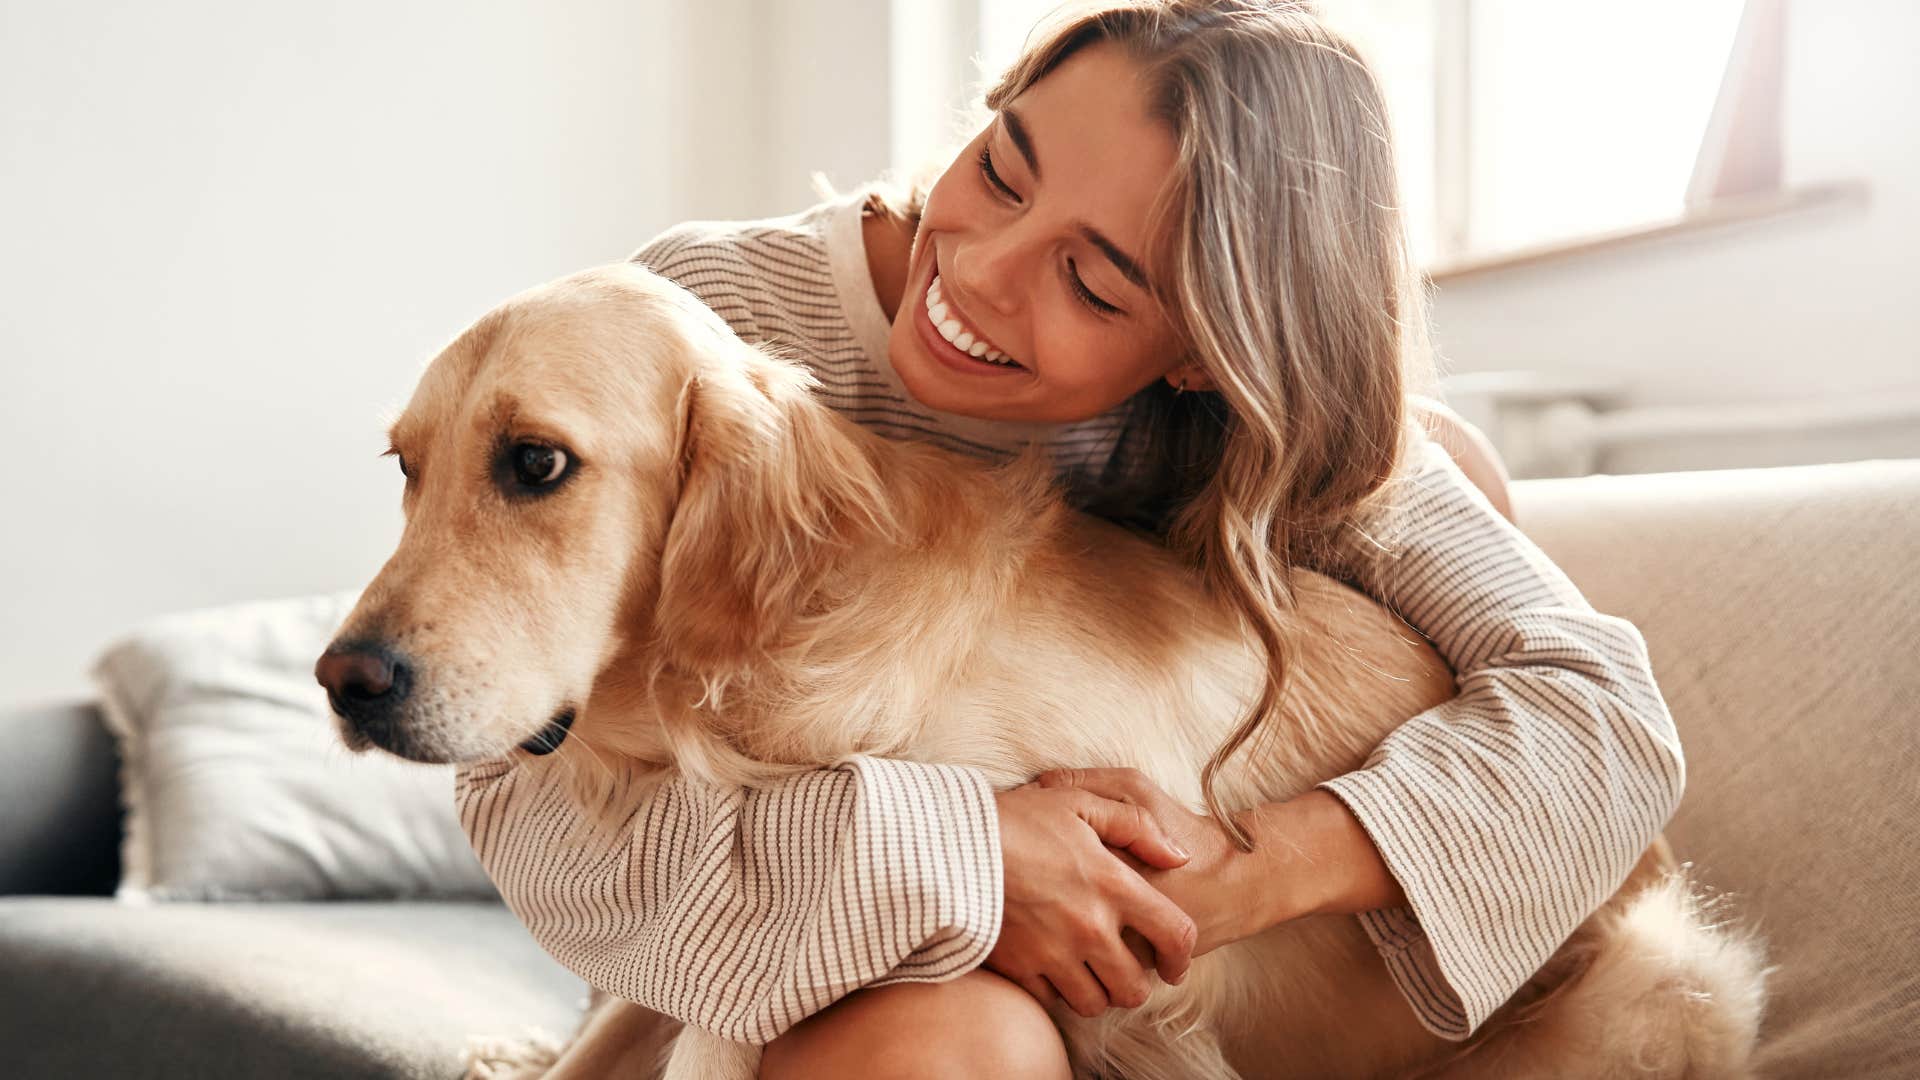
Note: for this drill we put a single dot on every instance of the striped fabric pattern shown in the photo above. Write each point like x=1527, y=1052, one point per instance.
x=1511, y=812
x=1507, y=814
x=744, y=912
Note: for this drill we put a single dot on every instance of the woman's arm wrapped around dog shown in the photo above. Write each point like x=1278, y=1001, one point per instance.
x=1511, y=812
x=743, y=911
x=1482, y=832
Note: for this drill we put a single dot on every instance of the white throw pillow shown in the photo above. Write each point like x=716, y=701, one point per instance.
x=235, y=784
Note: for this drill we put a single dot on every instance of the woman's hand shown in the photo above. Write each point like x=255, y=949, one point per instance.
x=1222, y=889
x=1310, y=856
x=1069, y=896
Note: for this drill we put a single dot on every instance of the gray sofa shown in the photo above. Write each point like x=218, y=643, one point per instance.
x=91, y=987
x=1781, y=609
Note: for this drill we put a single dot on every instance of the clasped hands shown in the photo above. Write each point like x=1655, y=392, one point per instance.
x=1107, y=878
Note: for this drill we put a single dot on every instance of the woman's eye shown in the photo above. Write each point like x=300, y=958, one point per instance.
x=992, y=177
x=538, y=466
x=1085, y=294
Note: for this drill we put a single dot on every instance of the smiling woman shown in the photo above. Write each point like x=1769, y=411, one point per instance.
x=1173, y=257
x=1037, y=261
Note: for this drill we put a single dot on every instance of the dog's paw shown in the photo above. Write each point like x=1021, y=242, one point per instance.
x=523, y=1058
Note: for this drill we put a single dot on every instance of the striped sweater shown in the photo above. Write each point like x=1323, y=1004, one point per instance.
x=1507, y=814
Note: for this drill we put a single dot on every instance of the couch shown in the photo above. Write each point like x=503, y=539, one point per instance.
x=1782, y=613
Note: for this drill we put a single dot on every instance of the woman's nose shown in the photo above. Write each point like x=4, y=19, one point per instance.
x=991, y=271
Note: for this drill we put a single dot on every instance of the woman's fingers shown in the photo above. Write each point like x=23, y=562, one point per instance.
x=1074, y=897
x=1168, y=929
x=1042, y=990
x=1121, y=785
x=1140, y=947
x=1132, y=828
x=1121, y=975
x=1078, y=988
x=1168, y=818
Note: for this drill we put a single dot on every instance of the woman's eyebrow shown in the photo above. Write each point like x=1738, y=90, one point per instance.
x=1023, y=142
x=1120, y=259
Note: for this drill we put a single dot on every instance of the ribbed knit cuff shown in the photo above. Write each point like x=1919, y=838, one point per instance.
x=1402, y=935
x=934, y=832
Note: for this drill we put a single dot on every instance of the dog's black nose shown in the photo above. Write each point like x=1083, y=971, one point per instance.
x=367, y=684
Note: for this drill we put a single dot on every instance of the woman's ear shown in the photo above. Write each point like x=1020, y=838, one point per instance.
x=1189, y=377
x=773, y=489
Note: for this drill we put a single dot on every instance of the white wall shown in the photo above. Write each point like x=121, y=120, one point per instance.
x=1816, y=306
x=232, y=233
x=826, y=94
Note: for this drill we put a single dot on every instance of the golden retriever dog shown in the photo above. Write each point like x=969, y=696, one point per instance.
x=633, y=534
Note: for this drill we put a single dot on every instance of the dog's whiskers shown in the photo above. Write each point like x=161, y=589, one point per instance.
x=597, y=759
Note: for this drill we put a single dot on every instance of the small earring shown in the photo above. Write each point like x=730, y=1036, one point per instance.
x=1182, y=388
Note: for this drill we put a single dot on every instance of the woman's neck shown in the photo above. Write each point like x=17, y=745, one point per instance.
x=889, y=244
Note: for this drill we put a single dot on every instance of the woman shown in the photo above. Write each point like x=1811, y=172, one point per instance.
x=1174, y=255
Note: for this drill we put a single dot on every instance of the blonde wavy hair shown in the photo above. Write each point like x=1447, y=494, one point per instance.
x=1287, y=274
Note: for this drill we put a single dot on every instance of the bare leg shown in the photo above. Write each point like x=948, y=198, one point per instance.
x=977, y=1025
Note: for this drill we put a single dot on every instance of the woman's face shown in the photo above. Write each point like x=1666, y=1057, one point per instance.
x=1038, y=251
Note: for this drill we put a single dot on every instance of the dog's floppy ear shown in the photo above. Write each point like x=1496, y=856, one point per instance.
x=773, y=488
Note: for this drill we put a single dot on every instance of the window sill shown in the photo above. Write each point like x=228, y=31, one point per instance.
x=1717, y=215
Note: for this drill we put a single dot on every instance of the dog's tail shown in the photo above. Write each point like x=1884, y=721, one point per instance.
x=1659, y=988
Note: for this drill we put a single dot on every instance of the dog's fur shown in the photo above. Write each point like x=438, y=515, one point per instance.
x=739, y=583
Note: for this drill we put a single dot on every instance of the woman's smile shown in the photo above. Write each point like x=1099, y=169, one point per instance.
x=950, y=336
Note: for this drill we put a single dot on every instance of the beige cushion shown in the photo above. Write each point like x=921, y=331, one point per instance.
x=1781, y=608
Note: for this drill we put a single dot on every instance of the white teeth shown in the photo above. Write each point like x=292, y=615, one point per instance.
x=961, y=337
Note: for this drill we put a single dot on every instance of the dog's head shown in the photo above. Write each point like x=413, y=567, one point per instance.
x=598, y=473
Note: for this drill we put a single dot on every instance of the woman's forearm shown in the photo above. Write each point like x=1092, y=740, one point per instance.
x=1311, y=857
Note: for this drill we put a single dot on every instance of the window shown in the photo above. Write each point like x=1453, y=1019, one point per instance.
x=1523, y=124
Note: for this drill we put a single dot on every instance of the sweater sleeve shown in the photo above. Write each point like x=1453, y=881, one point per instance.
x=743, y=911
x=1511, y=812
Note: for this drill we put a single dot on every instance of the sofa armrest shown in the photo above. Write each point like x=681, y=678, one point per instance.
x=59, y=802
x=1781, y=609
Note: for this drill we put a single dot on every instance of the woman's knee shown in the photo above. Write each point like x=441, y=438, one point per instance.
x=977, y=1025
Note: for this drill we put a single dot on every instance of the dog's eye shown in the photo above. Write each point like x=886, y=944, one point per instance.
x=403, y=466
x=537, y=466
